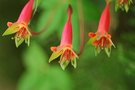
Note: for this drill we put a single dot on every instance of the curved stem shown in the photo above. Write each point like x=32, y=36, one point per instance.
x=46, y=25
x=81, y=24
x=50, y=18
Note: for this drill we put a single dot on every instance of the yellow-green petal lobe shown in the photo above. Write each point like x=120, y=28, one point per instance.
x=64, y=64
x=18, y=41
x=108, y=51
x=11, y=30
x=73, y=62
x=27, y=40
x=55, y=55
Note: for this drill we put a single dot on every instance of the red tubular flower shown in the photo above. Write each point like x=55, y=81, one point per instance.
x=64, y=50
x=20, y=27
x=123, y=4
x=101, y=39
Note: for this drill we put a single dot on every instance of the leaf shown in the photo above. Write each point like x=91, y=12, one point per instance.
x=91, y=11
x=35, y=58
x=52, y=78
x=50, y=21
x=29, y=81
x=49, y=4
x=75, y=26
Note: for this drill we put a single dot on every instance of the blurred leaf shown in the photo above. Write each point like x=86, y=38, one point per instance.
x=29, y=81
x=50, y=79
x=127, y=59
x=38, y=75
x=51, y=21
x=35, y=58
x=75, y=26
x=48, y=4
x=91, y=11
x=104, y=73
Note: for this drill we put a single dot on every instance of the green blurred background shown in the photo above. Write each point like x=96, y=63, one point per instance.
x=27, y=68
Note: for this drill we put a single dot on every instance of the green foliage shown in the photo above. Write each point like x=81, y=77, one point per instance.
x=123, y=5
x=51, y=79
x=40, y=76
x=51, y=17
x=34, y=58
x=91, y=11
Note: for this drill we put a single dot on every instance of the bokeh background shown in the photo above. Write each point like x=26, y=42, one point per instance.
x=27, y=68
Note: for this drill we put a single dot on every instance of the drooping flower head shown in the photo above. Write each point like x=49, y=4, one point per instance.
x=101, y=39
x=64, y=50
x=20, y=27
x=123, y=4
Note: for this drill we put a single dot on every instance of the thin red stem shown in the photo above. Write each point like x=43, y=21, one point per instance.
x=81, y=24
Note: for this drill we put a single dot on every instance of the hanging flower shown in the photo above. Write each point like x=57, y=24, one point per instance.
x=20, y=27
x=101, y=39
x=123, y=4
x=64, y=50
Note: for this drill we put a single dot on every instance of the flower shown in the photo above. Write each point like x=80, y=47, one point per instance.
x=101, y=39
x=64, y=50
x=123, y=4
x=20, y=27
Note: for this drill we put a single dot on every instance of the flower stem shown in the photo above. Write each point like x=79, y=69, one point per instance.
x=81, y=24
